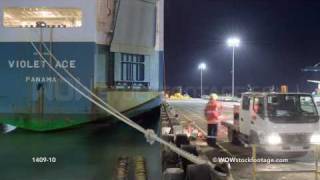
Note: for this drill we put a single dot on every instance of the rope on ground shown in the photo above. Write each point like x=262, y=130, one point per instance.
x=151, y=136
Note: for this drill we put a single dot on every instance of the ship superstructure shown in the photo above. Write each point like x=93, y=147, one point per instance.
x=114, y=47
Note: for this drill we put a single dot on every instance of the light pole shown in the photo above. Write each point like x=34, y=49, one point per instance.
x=233, y=42
x=202, y=66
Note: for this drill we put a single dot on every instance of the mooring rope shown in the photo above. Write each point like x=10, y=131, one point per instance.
x=149, y=134
x=83, y=86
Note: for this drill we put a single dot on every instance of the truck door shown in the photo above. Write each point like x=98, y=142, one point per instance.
x=258, y=113
x=245, y=117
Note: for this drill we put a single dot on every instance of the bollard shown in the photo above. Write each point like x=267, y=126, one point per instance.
x=140, y=171
x=122, y=170
x=254, y=163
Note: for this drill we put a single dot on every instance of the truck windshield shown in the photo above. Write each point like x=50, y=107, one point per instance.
x=291, y=108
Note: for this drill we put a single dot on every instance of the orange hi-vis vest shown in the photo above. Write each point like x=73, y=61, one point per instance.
x=212, y=112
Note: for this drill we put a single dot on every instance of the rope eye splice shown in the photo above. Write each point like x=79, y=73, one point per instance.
x=150, y=136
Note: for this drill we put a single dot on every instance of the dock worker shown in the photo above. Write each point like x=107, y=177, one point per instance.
x=212, y=113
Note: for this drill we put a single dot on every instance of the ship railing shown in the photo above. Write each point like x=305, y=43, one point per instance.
x=132, y=85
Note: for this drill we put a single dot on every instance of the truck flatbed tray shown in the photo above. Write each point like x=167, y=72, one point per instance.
x=228, y=123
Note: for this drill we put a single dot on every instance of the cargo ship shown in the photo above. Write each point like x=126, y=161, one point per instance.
x=114, y=47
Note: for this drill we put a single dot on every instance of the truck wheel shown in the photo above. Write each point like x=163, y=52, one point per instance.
x=233, y=137
x=253, y=138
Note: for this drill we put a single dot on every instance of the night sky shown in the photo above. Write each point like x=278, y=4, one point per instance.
x=278, y=39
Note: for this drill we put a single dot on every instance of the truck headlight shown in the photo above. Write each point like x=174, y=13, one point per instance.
x=315, y=139
x=274, y=139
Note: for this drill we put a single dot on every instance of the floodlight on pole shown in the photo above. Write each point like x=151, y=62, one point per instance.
x=202, y=66
x=233, y=42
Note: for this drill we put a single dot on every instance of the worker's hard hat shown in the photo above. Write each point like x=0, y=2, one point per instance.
x=213, y=96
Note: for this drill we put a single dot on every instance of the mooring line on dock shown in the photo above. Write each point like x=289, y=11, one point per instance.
x=149, y=134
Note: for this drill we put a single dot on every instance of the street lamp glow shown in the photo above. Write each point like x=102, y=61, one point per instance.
x=202, y=66
x=233, y=42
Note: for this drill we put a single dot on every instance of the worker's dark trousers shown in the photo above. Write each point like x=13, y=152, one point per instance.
x=212, y=133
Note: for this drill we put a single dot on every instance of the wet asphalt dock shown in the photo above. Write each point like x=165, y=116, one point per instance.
x=192, y=111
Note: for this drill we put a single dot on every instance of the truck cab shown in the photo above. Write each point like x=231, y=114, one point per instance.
x=278, y=121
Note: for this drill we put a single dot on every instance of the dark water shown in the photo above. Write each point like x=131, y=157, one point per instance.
x=89, y=152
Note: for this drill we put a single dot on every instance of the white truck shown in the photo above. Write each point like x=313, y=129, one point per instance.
x=276, y=122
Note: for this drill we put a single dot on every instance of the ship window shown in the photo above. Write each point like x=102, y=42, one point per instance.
x=132, y=67
x=42, y=17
